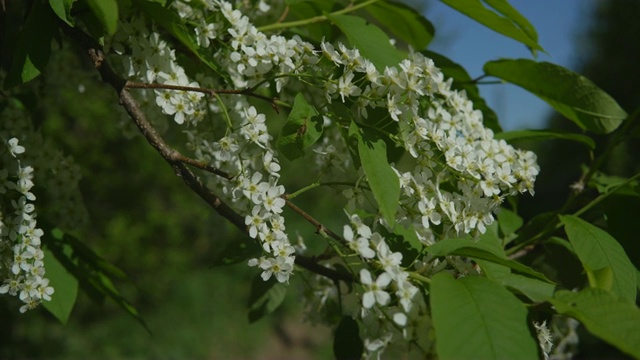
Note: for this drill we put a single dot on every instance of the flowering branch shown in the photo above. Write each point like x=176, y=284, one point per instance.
x=211, y=92
x=178, y=161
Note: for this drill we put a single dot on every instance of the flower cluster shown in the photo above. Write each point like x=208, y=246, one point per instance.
x=446, y=136
x=459, y=174
x=245, y=151
x=391, y=295
x=21, y=258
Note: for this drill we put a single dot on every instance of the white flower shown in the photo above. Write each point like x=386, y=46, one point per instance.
x=14, y=148
x=273, y=202
x=345, y=87
x=374, y=290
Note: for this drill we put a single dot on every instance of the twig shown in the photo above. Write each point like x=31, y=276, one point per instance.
x=211, y=92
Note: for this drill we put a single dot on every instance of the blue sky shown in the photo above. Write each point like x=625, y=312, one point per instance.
x=559, y=24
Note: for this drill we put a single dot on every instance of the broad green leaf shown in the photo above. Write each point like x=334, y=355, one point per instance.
x=65, y=288
x=536, y=135
x=504, y=8
x=346, y=341
x=33, y=46
x=265, y=297
x=383, y=181
x=487, y=247
x=597, y=250
x=403, y=22
x=508, y=221
x=107, y=13
x=477, y=318
x=534, y=289
x=91, y=271
x=462, y=81
x=605, y=315
x=62, y=8
x=606, y=183
x=600, y=278
x=562, y=242
x=372, y=42
x=573, y=95
x=302, y=129
x=510, y=26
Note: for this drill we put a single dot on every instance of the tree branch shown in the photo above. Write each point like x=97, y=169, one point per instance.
x=177, y=161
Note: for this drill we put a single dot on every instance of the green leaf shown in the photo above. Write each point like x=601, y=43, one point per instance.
x=503, y=7
x=462, y=81
x=372, y=42
x=346, y=341
x=508, y=221
x=477, y=318
x=600, y=278
x=65, y=288
x=605, y=315
x=573, y=95
x=33, y=46
x=302, y=129
x=91, y=271
x=487, y=247
x=107, y=13
x=507, y=26
x=62, y=8
x=537, y=135
x=606, y=183
x=265, y=297
x=534, y=289
x=404, y=22
x=597, y=250
x=383, y=181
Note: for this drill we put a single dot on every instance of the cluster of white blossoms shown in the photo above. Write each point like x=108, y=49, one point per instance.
x=21, y=259
x=441, y=130
x=245, y=151
x=459, y=177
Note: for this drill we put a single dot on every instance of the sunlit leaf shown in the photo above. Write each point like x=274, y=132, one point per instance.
x=605, y=315
x=62, y=8
x=534, y=289
x=477, y=318
x=536, y=135
x=487, y=247
x=404, y=22
x=512, y=25
x=65, y=287
x=508, y=221
x=573, y=95
x=107, y=13
x=383, y=181
x=598, y=250
x=372, y=42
